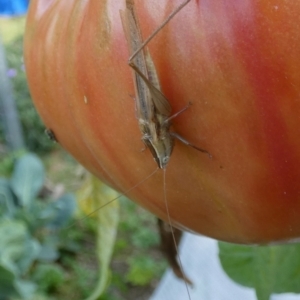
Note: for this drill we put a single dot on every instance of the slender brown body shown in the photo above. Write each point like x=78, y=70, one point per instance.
x=153, y=109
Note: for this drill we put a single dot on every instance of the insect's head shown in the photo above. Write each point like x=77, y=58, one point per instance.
x=161, y=149
x=162, y=161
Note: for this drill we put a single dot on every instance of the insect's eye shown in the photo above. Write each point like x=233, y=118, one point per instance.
x=166, y=159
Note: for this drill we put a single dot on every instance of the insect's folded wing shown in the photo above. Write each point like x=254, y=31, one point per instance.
x=160, y=101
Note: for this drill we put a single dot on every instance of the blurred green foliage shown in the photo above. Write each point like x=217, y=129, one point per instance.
x=49, y=277
x=269, y=269
x=29, y=231
x=143, y=269
x=63, y=262
x=8, y=161
x=33, y=127
x=140, y=232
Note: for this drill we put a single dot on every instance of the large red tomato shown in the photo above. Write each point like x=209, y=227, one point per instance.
x=238, y=62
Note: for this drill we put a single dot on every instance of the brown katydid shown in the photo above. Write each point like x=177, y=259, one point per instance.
x=152, y=107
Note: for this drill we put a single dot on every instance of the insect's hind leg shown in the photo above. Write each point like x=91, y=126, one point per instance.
x=184, y=141
x=180, y=138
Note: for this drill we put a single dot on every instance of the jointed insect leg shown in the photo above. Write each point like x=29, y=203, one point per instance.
x=178, y=113
x=165, y=22
x=181, y=139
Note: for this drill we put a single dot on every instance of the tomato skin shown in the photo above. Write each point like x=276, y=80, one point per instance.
x=236, y=61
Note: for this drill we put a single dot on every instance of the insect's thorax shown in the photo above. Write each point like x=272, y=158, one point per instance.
x=157, y=137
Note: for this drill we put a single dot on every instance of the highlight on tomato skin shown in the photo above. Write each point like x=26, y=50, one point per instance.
x=236, y=61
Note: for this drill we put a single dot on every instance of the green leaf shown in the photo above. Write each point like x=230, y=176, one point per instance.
x=16, y=255
x=49, y=247
x=25, y=289
x=7, y=204
x=64, y=208
x=96, y=194
x=52, y=215
x=7, y=278
x=48, y=253
x=13, y=234
x=31, y=250
x=28, y=178
x=267, y=269
x=17, y=249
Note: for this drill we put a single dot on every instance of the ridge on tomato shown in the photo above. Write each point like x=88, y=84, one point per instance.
x=236, y=61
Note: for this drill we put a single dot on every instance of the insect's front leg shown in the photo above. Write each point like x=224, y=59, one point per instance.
x=178, y=113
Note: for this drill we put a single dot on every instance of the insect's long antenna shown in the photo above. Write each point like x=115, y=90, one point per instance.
x=172, y=231
x=114, y=199
x=164, y=23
